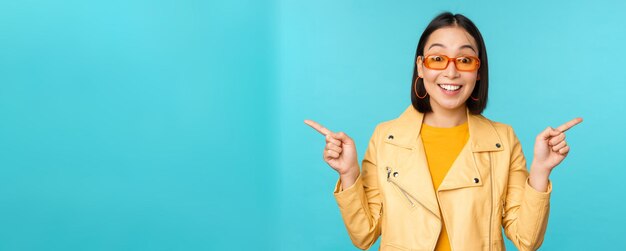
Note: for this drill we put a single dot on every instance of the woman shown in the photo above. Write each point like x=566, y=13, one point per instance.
x=441, y=176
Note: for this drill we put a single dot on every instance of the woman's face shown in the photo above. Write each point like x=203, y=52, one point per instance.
x=448, y=88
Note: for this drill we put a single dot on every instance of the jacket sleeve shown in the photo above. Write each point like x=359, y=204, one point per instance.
x=526, y=210
x=361, y=204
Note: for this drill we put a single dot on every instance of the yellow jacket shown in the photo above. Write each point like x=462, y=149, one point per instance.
x=486, y=187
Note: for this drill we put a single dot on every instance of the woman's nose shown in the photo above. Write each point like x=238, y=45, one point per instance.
x=451, y=71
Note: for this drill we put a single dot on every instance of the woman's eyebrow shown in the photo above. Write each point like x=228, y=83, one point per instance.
x=433, y=45
x=463, y=46
x=468, y=46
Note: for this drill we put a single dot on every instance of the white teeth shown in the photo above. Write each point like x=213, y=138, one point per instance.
x=450, y=87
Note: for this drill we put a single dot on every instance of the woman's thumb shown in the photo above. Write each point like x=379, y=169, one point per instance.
x=344, y=138
x=549, y=132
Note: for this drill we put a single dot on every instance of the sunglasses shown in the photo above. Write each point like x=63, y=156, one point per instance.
x=440, y=62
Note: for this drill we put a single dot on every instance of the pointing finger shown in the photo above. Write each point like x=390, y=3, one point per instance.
x=317, y=127
x=569, y=124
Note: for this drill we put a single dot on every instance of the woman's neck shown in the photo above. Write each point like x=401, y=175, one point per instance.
x=446, y=118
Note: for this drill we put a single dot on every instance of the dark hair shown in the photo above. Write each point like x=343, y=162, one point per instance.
x=443, y=20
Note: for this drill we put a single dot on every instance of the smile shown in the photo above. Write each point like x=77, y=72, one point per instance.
x=450, y=87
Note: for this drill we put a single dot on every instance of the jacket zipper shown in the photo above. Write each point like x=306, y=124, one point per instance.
x=408, y=197
x=401, y=190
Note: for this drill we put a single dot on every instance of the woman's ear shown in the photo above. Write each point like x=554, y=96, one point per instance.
x=419, y=65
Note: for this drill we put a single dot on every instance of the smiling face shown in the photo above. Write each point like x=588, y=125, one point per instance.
x=449, y=88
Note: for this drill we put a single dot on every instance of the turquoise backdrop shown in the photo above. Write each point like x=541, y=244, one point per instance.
x=177, y=125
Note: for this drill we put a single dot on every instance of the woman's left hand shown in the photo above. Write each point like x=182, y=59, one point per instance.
x=551, y=147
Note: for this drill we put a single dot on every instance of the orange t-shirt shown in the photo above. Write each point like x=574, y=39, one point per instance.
x=442, y=146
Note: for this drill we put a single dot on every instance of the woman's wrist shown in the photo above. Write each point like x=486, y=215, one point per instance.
x=539, y=178
x=348, y=178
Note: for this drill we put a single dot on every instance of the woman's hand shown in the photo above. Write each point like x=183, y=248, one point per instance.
x=550, y=149
x=339, y=153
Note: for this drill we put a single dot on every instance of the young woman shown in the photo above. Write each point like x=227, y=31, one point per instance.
x=441, y=176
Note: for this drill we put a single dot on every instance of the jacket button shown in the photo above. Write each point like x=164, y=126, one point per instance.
x=476, y=180
x=395, y=174
x=498, y=145
x=390, y=137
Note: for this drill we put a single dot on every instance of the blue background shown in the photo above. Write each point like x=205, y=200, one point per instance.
x=177, y=125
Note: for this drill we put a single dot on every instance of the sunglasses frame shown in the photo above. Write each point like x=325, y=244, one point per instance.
x=451, y=60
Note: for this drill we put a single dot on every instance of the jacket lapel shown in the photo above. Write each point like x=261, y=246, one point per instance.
x=414, y=176
x=464, y=171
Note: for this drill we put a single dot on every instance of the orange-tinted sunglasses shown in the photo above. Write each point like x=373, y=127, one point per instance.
x=463, y=63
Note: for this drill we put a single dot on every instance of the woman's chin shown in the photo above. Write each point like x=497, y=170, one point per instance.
x=450, y=104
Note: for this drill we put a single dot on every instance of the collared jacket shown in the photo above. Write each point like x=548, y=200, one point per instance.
x=485, y=188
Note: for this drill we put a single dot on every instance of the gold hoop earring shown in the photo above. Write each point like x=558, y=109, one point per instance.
x=415, y=89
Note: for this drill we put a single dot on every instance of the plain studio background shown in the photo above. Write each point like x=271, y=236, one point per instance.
x=177, y=125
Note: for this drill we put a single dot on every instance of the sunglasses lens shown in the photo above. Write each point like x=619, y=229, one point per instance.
x=440, y=62
x=466, y=63
x=436, y=62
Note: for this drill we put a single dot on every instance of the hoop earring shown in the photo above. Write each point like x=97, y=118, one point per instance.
x=415, y=89
x=475, y=99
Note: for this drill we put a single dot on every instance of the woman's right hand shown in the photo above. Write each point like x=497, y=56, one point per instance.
x=339, y=153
